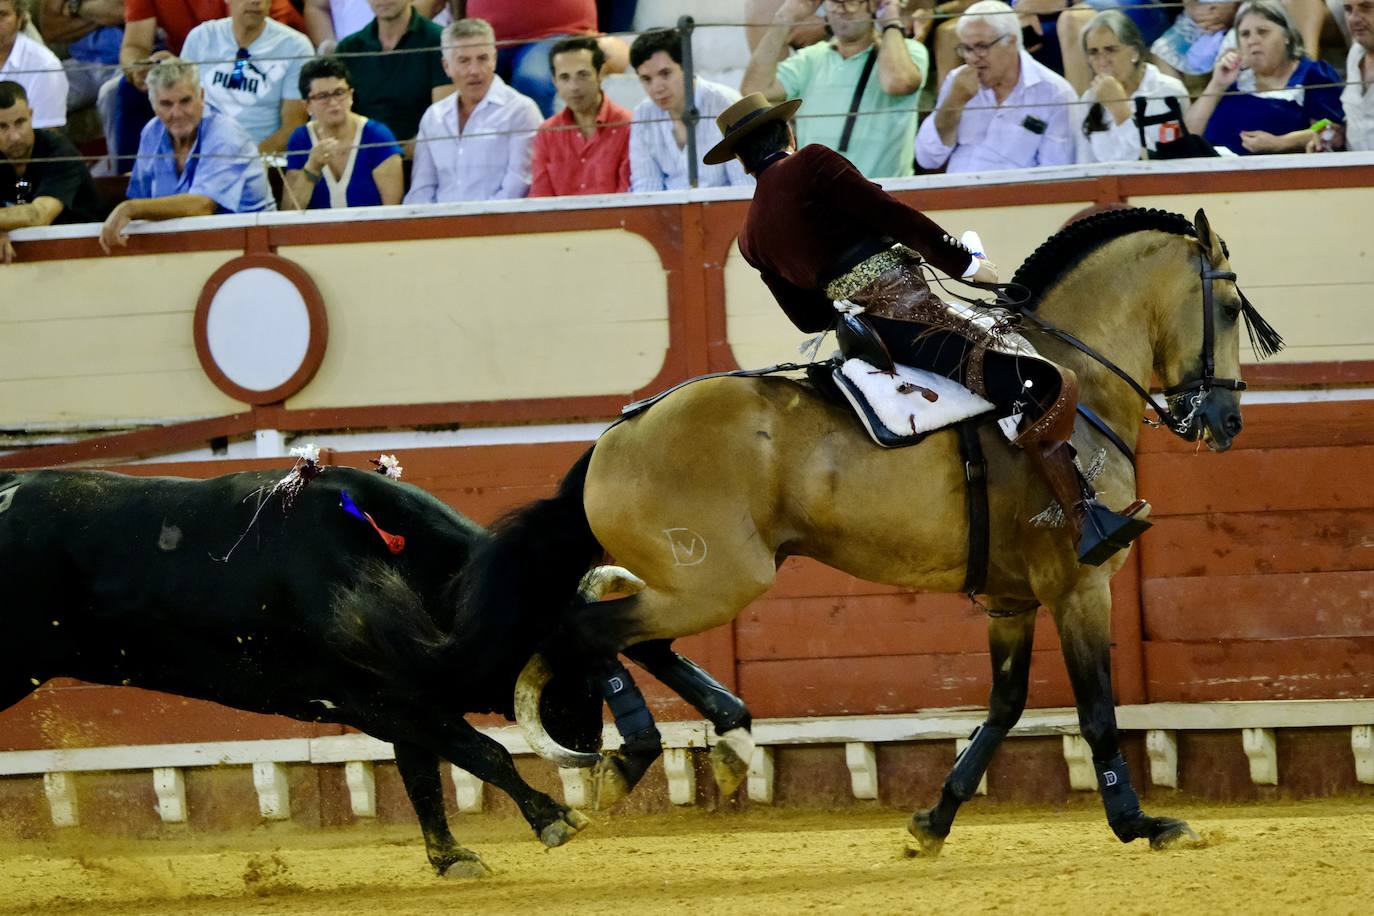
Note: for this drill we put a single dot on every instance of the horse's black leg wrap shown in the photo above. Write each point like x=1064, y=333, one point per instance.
x=1119, y=798
x=968, y=770
x=683, y=676
x=633, y=720
x=962, y=781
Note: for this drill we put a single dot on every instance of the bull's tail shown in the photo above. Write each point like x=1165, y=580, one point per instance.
x=518, y=581
x=380, y=624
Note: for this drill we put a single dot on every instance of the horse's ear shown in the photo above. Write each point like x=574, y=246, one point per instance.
x=1209, y=240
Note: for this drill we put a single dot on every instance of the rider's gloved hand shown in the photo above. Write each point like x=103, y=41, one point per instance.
x=986, y=272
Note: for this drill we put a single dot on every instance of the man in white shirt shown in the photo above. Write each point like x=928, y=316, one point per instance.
x=1002, y=109
x=658, y=135
x=250, y=69
x=1358, y=97
x=28, y=63
x=477, y=143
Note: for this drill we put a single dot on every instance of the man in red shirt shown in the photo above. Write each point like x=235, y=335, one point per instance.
x=123, y=102
x=585, y=148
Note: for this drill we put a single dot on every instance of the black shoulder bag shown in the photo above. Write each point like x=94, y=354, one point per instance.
x=1188, y=145
x=854, y=102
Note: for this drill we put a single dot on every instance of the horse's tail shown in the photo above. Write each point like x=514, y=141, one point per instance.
x=517, y=581
x=380, y=623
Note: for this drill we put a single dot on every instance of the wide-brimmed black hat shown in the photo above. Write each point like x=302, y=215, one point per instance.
x=743, y=118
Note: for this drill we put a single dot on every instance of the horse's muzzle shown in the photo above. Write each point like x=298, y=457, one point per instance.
x=1219, y=420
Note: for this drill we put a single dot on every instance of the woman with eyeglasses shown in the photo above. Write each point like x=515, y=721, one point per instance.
x=338, y=158
x=1266, y=96
x=1119, y=58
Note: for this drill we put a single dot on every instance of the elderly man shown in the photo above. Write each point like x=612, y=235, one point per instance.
x=476, y=144
x=585, y=148
x=43, y=179
x=28, y=63
x=250, y=69
x=658, y=144
x=192, y=160
x=859, y=89
x=123, y=101
x=1002, y=109
x=397, y=67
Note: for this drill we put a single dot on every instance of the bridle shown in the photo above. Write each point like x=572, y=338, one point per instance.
x=1190, y=394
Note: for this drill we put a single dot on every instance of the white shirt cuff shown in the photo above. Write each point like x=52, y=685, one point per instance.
x=972, y=268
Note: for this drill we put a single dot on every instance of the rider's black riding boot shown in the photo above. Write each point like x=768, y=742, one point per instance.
x=1099, y=531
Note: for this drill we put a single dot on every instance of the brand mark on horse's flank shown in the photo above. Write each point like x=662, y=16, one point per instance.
x=689, y=548
x=7, y=496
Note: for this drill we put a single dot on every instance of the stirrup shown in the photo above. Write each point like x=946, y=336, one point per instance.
x=1105, y=532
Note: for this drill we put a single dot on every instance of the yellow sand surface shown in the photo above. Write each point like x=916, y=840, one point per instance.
x=1313, y=857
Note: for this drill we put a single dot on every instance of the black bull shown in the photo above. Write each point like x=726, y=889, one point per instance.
x=123, y=580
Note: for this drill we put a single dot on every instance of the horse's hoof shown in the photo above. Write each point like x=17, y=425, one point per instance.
x=609, y=784
x=463, y=863
x=564, y=829
x=730, y=758
x=928, y=843
x=1168, y=833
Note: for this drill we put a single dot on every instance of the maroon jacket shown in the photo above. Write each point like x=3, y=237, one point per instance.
x=812, y=207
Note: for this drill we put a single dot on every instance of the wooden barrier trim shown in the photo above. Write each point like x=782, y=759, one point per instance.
x=935, y=724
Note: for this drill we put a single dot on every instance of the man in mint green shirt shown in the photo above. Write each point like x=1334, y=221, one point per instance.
x=882, y=136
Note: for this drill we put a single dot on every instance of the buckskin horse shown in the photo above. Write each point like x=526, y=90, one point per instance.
x=701, y=498
x=336, y=603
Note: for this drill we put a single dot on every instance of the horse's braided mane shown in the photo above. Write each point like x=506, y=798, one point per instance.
x=1081, y=238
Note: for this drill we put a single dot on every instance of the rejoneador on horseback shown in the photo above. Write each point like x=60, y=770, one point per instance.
x=700, y=495
x=820, y=233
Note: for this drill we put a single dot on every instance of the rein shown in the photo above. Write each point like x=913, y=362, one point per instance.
x=1263, y=337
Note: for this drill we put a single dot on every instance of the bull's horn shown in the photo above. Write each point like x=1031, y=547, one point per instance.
x=528, y=689
x=602, y=580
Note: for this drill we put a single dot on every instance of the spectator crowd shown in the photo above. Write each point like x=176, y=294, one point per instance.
x=374, y=102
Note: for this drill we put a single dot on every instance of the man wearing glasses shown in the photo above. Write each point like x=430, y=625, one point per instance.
x=860, y=88
x=192, y=160
x=43, y=179
x=1002, y=109
x=250, y=68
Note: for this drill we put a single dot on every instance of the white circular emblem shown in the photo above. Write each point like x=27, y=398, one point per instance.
x=258, y=329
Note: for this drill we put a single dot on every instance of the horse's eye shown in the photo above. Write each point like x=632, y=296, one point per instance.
x=1231, y=312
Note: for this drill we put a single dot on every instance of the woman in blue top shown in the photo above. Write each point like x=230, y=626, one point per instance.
x=1277, y=108
x=338, y=158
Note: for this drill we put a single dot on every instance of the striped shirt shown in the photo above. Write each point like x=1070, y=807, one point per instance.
x=657, y=163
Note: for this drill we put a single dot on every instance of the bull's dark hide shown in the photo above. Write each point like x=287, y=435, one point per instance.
x=145, y=581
